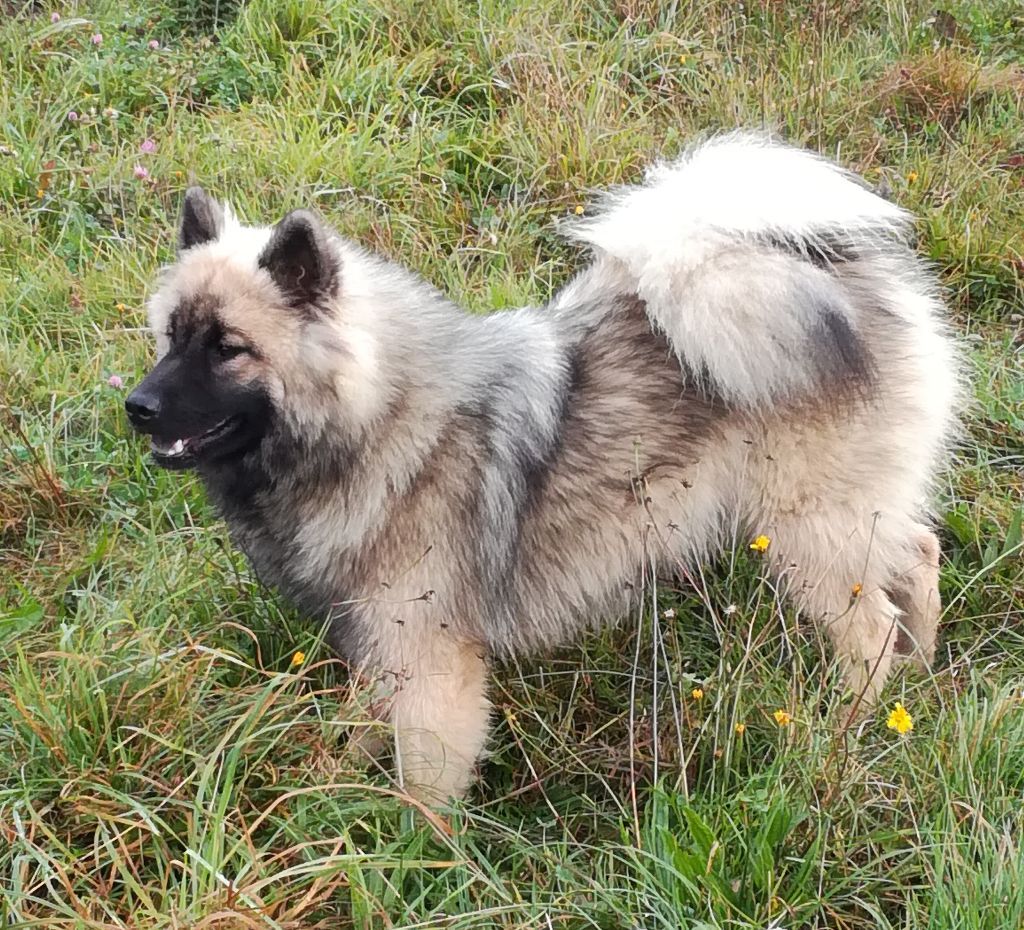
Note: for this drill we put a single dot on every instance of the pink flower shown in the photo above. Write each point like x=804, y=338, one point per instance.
x=115, y=382
x=55, y=17
x=97, y=37
x=141, y=173
x=153, y=45
x=147, y=147
x=72, y=116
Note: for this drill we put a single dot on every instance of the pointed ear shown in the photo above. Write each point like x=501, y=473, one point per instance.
x=202, y=219
x=300, y=259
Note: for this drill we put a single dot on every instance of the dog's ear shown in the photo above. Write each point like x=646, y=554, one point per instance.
x=202, y=219
x=300, y=259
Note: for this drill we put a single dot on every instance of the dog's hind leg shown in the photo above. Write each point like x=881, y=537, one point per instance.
x=440, y=714
x=834, y=567
x=915, y=591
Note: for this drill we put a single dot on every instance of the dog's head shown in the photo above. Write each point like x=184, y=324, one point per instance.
x=244, y=325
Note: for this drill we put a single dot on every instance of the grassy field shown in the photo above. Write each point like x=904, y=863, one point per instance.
x=164, y=762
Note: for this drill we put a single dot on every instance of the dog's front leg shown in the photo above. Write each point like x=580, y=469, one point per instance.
x=440, y=713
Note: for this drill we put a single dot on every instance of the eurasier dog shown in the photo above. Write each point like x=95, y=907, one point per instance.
x=753, y=348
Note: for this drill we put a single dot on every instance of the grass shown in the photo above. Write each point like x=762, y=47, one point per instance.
x=162, y=761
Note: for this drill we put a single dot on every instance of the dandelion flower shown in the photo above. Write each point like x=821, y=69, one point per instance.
x=141, y=173
x=782, y=718
x=697, y=693
x=911, y=177
x=900, y=720
x=120, y=308
x=298, y=658
x=761, y=544
x=115, y=382
x=40, y=193
x=857, y=589
x=97, y=38
x=579, y=210
x=741, y=728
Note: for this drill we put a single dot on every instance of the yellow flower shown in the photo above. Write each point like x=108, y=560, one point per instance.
x=761, y=544
x=40, y=193
x=298, y=658
x=741, y=728
x=856, y=589
x=782, y=718
x=579, y=209
x=911, y=177
x=120, y=308
x=697, y=693
x=179, y=174
x=682, y=59
x=899, y=720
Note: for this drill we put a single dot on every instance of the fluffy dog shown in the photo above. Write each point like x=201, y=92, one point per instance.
x=753, y=347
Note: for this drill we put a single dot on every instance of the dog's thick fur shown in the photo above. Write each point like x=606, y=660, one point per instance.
x=753, y=348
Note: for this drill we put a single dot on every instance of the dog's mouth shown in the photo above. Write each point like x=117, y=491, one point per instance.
x=185, y=450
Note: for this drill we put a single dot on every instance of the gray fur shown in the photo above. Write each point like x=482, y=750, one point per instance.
x=445, y=486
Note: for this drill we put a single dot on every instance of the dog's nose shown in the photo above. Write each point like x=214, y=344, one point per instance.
x=142, y=406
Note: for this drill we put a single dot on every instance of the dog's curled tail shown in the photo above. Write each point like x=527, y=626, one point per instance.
x=759, y=262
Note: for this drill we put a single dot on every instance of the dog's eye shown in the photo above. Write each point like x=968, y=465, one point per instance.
x=228, y=350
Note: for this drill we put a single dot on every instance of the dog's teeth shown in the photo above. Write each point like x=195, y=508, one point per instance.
x=177, y=448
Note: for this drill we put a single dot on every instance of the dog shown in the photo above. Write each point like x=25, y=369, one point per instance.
x=753, y=347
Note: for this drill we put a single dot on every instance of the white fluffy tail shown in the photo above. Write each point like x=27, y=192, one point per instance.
x=758, y=262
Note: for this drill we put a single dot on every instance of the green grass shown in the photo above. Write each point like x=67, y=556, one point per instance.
x=163, y=765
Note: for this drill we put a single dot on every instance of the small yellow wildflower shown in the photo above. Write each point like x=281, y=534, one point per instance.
x=899, y=720
x=682, y=59
x=912, y=177
x=741, y=728
x=120, y=308
x=697, y=693
x=579, y=210
x=761, y=544
x=179, y=174
x=40, y=193
x=856, y=589
x=782, y=718
x=298, y=658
